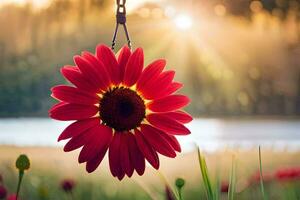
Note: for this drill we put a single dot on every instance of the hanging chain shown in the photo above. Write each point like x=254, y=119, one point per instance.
x=121, y=20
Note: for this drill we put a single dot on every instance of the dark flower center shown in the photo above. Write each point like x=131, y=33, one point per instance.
x=122, y=109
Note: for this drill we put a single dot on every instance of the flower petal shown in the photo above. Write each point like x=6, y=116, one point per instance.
x=78, y=127
x=173, y=87
x=150, y=73
x=99, y=67
x=134, y=67
x=149, y=153
x=56, y=106
x=123, y=59
x=136, y=155
x=69, y=112
x=169, y=103
x=125, y=161
x=89, y=72
x=172, y=141
x=166, y=91
x=121, y=175
x=107, y=57
x=179, y=116
x=161, y=84
x=77, y=141
x=114, y=155
x=74, y=95
x=102, y=136
x=92, y=165
x=75, y=77
x=159, y=143
x=167, y=124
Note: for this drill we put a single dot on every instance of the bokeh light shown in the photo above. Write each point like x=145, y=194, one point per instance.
x=220, y=10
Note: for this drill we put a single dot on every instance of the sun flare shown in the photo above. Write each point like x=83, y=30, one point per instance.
x=183, y=22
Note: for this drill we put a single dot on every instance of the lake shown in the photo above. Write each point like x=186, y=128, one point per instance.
x=209, y=134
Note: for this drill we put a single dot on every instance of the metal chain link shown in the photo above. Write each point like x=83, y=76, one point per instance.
x=121, y=20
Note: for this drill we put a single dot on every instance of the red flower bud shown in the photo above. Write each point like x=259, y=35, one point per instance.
x=224, y=187
x=68, y=185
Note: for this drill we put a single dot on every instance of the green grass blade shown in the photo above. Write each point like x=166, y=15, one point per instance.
x=232, y=182
x=262, y=188
x=217, y=185
x=205, y=176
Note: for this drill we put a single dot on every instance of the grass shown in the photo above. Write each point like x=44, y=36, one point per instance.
x=261, y=175
x=232, y=183
x=206, y=179
x=50, y=166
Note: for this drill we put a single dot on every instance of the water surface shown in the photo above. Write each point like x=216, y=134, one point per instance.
x=209, y=134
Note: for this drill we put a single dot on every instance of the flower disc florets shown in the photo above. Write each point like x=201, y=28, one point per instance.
x=122, y=109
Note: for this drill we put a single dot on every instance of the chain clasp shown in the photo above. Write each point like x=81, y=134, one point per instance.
x=121, y=20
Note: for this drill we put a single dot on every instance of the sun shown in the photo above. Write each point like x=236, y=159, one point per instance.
x=183, y=21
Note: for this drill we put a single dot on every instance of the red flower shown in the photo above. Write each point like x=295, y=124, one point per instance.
x=3, y=192
x=122, y=107
x=67, y=185
x=224, y=187
x=12, y=197
x=288, y=174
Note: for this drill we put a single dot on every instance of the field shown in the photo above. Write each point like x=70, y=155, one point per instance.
x=49, y=166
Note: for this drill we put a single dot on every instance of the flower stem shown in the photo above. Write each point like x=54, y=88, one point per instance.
x=179, y=194
x=71, y=195
x=261, y=175
x=21, y=174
